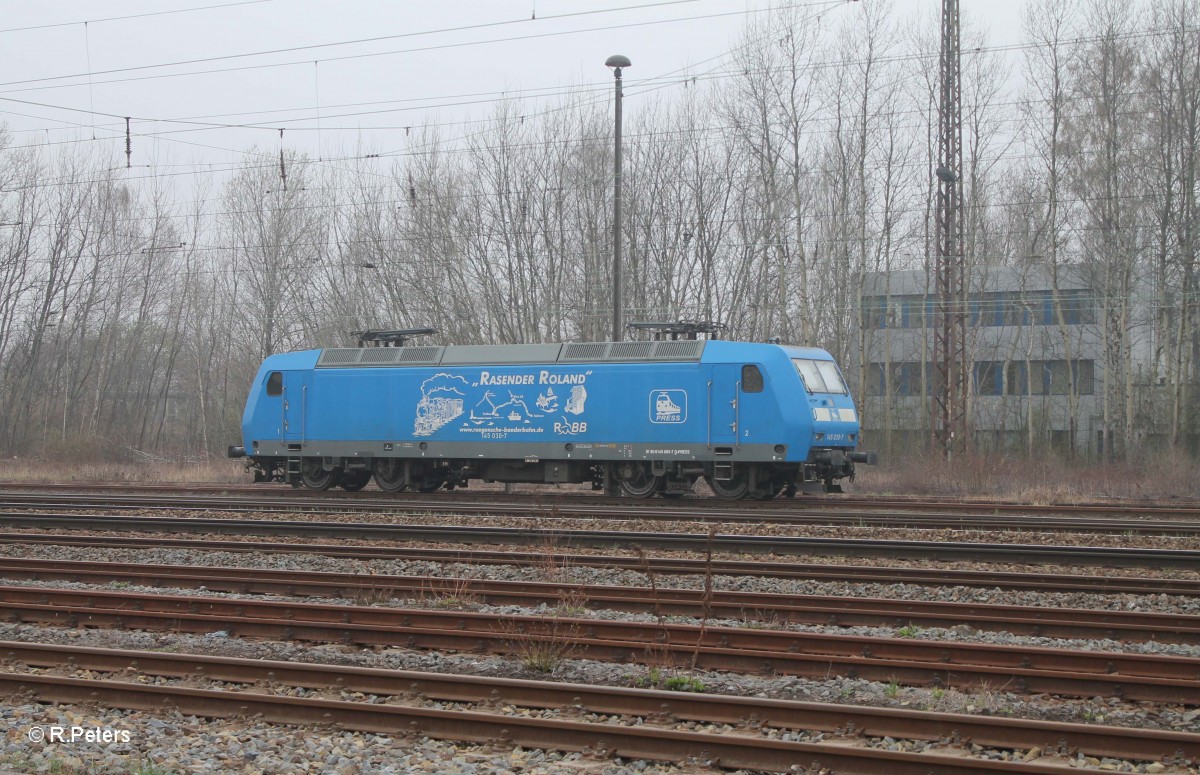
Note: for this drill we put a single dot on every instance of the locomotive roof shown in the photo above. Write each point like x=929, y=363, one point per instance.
x=678, y=351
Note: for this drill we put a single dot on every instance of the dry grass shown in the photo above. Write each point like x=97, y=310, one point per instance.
x=371, y=595
x=1048, y=480
x=543, y=653
x=148, y=471
x=552, y=564
x=456, y=594
x=572, y=601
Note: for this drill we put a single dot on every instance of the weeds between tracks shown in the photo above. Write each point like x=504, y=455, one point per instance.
x=371, y=595
x=450, y=593
x=544, y=653
x=707, y=598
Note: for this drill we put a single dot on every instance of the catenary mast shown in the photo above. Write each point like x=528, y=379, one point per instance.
x=949, y=387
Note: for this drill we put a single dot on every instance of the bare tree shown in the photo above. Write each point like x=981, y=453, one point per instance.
x=1103, y=127
x=1171, y=80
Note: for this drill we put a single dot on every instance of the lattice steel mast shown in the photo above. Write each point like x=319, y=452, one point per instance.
x=950, y=320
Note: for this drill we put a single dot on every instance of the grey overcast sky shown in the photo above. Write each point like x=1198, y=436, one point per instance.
x=352, y=73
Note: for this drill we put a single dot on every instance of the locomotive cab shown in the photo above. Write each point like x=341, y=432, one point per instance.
x=834, y=422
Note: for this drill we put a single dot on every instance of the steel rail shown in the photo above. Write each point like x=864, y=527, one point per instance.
x=655, y=706
x=663, y=565
x=779, y=545
x=606, y=740
x=823, y=502
x=1153, y=678
x=836, y=611
x=592, y=508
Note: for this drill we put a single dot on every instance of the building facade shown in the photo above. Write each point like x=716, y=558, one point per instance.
x=1039, y=349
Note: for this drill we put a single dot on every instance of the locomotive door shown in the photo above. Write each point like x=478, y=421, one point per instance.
x=723, y=406
x=295, y=404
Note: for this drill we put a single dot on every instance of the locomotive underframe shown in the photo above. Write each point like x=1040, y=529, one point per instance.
x=744, y=471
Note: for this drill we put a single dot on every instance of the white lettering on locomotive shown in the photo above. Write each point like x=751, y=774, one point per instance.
x=550, y=378
x=486, y=378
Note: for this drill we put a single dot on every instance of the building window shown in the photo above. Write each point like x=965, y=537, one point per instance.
x=1049, y=378
x=1077, y=307
x=906, y=379
x=912, y=311
x=988, y=378
x=1002, y=308
x=1016, y=380
x=876, y=385
x=1084, y=373
x=875, y=312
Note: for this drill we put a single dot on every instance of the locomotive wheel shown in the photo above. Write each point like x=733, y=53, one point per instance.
x=389, y=475
x=353, y=481
x=730, y=489
x=315, y=477
x=637, y=482
x=738, y=486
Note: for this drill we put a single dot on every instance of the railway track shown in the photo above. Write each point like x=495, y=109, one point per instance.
x=550, y=496
x=634, y=723
x=1139, y=677
x=838, y=611
x=660, y=565
x=535, y=509
x=743, y=544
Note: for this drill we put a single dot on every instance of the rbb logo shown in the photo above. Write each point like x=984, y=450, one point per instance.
x=570, y=428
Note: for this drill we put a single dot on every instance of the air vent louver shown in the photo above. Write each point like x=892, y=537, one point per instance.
x=585, y=351
x=379, y=356
x=338, y=357
x=425, y=355
x=681, y=350
x=630, y=351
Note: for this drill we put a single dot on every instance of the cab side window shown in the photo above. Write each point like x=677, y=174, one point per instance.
x=275, y=384
x=752, y=379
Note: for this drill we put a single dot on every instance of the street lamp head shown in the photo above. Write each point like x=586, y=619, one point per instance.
x=617, y=61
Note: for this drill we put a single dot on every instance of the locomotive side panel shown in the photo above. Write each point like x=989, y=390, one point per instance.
x=594, y=412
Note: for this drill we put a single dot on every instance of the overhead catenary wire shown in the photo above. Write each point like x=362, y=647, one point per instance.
x=483, y=121
x=822, y=4
x=469, y=150
x=131, y=16
x=378, y=38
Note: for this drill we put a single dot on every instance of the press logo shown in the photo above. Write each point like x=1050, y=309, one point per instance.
x=57, y=734
x=668, y=406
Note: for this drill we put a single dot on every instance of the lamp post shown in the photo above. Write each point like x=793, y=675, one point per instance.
x=616, y=62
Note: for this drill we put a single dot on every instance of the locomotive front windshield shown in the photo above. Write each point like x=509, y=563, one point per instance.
x=819, y=376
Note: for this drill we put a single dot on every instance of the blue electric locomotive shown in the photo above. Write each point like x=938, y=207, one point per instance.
x=643, y=417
